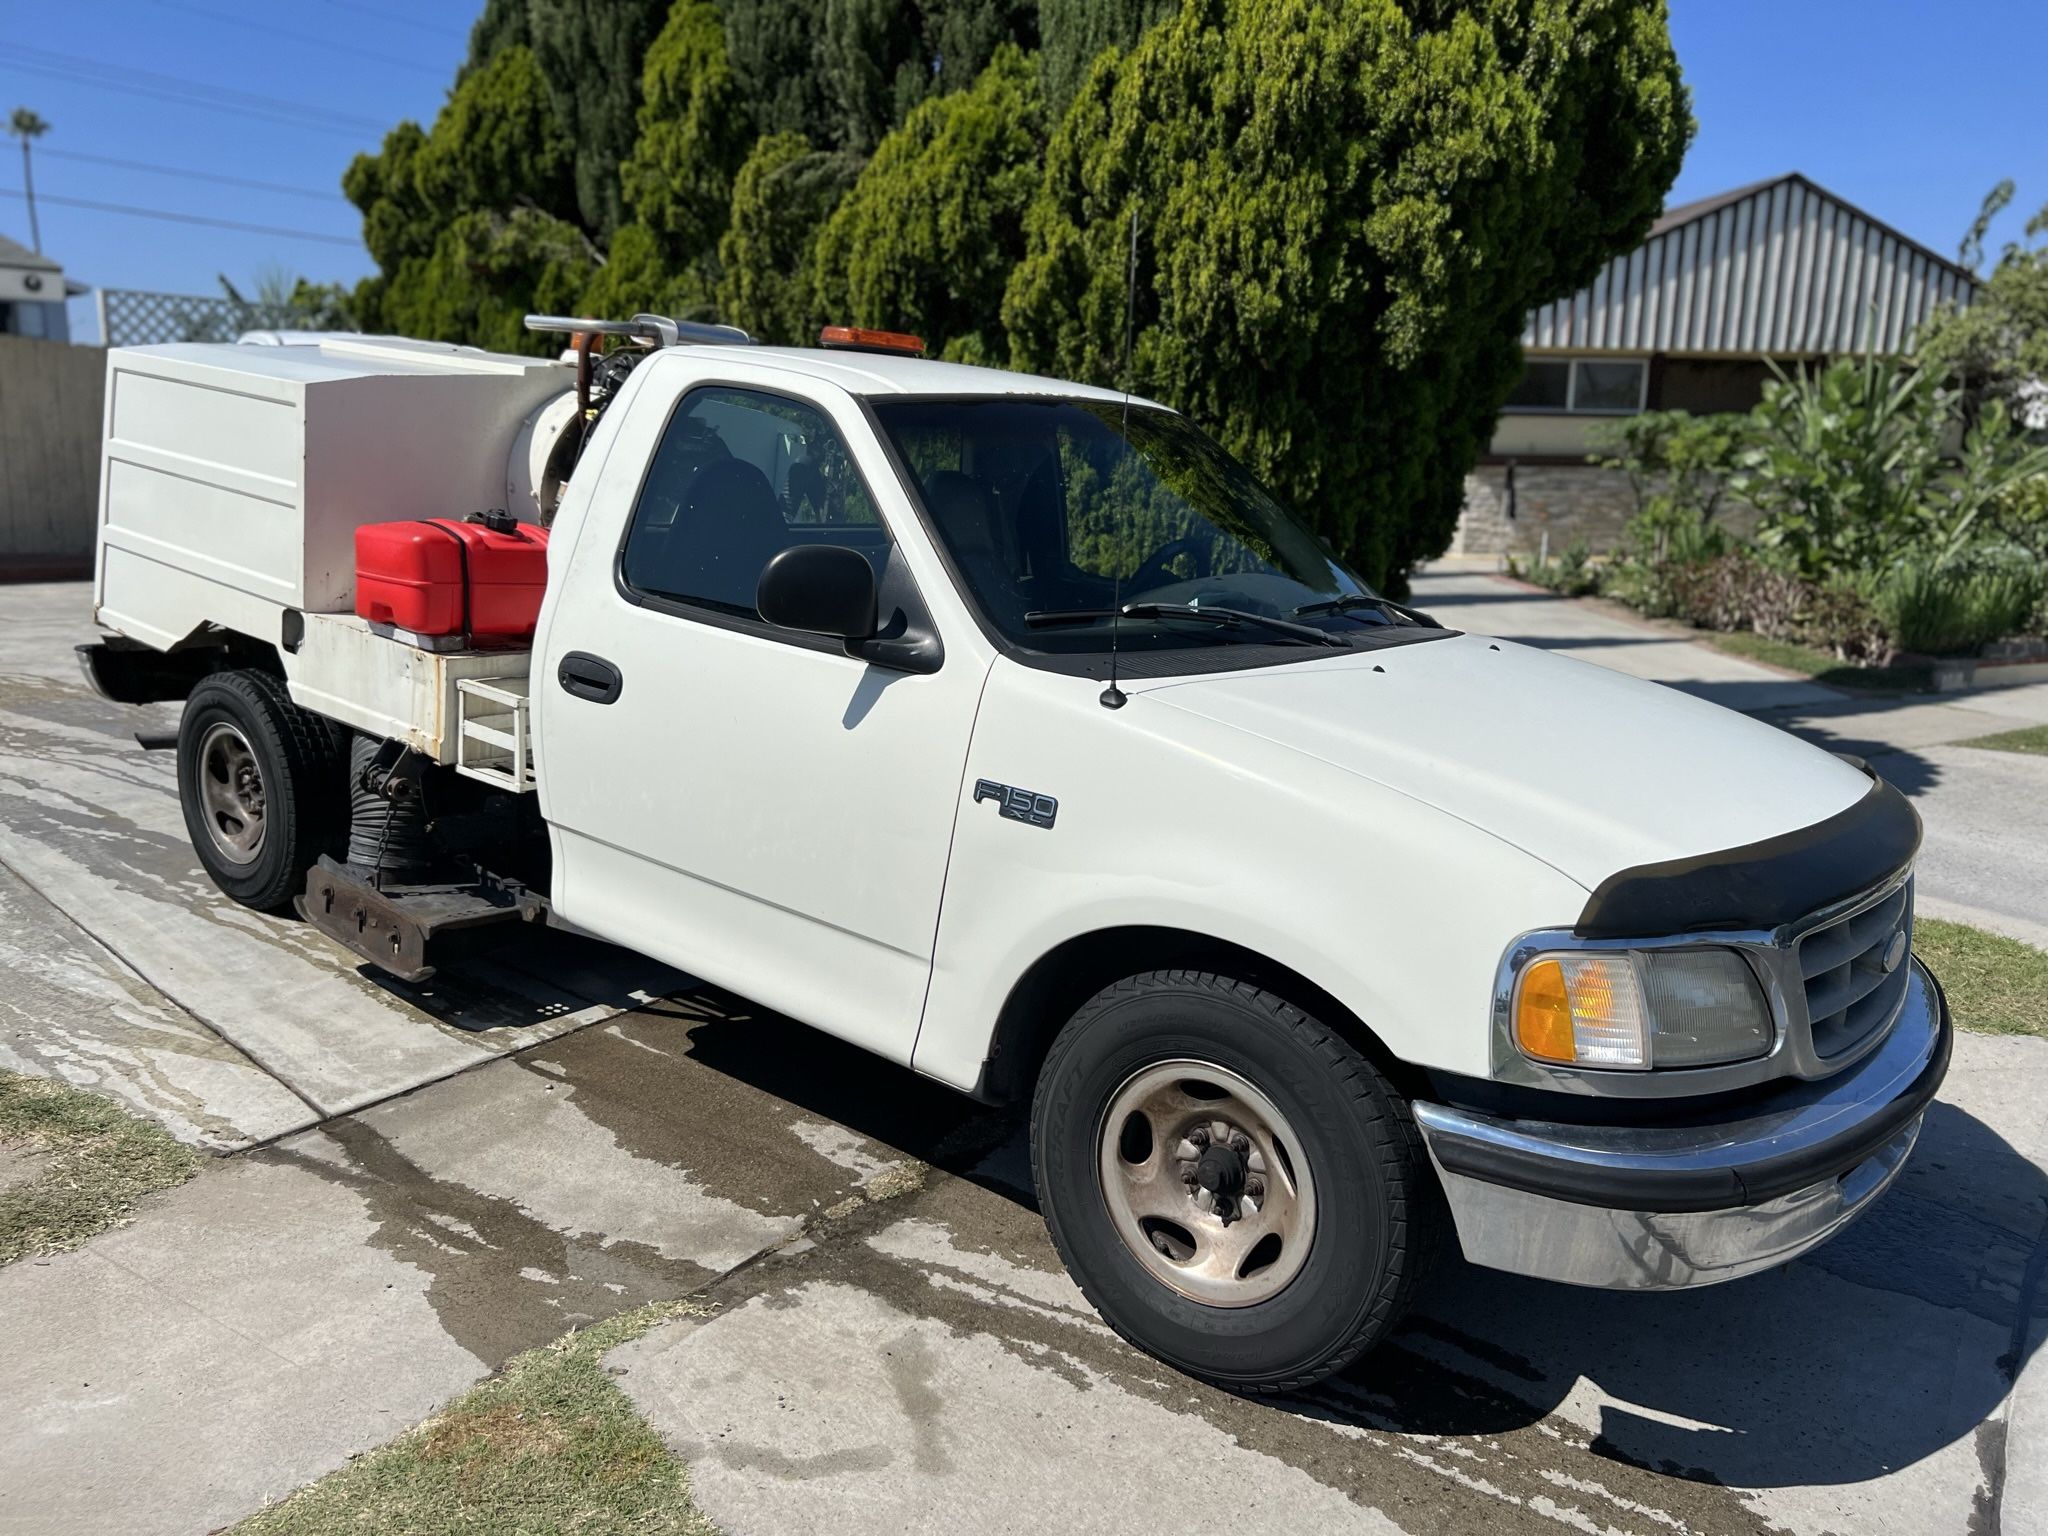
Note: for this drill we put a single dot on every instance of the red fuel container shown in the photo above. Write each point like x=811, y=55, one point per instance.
x=438, y=576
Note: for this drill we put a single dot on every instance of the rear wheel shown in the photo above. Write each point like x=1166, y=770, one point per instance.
x=1234, y=1186
x=261, y=784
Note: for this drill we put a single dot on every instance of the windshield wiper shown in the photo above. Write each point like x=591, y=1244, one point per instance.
x=1044, y=617
x=1355, y=600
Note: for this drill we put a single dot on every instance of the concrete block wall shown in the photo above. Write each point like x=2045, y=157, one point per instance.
x=1572, y=502
x=51, y=397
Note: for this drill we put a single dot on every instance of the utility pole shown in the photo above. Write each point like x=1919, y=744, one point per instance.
x=27, y=126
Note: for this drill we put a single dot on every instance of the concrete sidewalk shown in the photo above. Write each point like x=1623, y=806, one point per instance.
x=1985, y=855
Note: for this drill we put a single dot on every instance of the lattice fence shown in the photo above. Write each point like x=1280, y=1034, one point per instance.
x=130, y=318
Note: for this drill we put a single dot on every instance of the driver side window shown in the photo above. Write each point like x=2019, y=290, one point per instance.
x=739, y=476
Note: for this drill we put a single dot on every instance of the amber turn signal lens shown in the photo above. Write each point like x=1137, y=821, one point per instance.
x=1543, y=1014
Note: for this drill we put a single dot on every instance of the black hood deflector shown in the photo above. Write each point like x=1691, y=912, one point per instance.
x=1761, y=885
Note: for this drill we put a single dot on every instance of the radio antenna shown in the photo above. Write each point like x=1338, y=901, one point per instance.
x=1114, y=697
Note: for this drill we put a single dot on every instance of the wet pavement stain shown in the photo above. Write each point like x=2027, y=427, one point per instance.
x=643, y=1077
x=1440, y=1451
x=500, y=1281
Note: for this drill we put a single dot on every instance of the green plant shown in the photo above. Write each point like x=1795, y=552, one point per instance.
x=1345, y=212
x=1839, y=462
x=1571, y=574
x=926, y=238
x=1956, y=607
x=1847, y=466
x=1997, y=347
x=1678, y=466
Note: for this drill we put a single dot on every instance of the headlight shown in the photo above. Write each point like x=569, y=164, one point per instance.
x=1636, y=1009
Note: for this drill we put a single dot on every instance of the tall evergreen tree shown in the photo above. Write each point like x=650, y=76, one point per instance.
x=773, y=46
x=780, y=201
x=695, y=129
x=1347, y=212
x=593, y=54
x=1076, y=33
x=928, y=235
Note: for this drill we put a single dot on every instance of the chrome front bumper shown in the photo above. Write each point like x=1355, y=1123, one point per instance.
x=1664, y=1207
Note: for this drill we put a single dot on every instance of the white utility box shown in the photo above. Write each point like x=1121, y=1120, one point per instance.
x=233, y=478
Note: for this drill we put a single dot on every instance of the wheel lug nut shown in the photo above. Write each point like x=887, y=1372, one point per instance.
x=1254, y=1190
x=1240, y=1143
x=1199, y=1136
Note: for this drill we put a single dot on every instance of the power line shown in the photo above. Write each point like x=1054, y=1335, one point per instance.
x=183, y=218
x=391, y=61
x=184, y=91
x=171, y=170
x=397, y=19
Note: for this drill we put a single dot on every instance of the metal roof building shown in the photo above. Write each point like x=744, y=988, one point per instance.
x=1779, y=268
x=1779, y=273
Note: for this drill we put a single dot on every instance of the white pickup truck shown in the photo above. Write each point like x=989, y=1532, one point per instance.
x=1008, y=729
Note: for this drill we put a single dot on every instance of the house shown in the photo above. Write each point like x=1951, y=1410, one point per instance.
x=32, y=294
x=1781, y=271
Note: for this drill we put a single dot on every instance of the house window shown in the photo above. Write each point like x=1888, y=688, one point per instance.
x=1583, y=386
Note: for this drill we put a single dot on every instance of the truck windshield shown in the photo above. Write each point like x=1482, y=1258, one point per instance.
x=1060, y=529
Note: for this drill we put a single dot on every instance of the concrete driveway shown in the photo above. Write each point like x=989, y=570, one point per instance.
x=427, y=1184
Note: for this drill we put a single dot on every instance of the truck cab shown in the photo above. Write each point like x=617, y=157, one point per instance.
x=1006, y=727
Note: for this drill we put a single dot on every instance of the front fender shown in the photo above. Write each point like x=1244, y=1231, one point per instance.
x=1397, y=909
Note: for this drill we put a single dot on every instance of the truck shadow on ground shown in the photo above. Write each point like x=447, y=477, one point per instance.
x=1899, y=1338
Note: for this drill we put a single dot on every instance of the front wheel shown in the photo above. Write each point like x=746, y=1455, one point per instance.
x=1233, y=1185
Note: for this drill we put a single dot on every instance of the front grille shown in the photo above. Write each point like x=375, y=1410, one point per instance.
x=1850, y=996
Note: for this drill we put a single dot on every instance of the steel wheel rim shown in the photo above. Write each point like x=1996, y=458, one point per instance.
x=231, y=793
x=1154, y=1182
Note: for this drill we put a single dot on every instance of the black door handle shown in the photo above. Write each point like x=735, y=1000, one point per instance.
x=589, y=677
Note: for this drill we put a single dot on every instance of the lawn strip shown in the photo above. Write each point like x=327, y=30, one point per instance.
x=1995, y=985
x=2031, y=739
x=78, y=1163
x=548, y=1444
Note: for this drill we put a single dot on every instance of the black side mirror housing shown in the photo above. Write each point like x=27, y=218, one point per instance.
x=819, y=589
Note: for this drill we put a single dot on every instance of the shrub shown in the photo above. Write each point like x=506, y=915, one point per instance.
x=1956, y=608
x=1571, y=574
x=1736, y=591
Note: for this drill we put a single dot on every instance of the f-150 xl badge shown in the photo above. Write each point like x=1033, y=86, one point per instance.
x=1017, y=804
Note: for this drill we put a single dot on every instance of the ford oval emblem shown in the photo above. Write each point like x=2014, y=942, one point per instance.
x=1895, y=952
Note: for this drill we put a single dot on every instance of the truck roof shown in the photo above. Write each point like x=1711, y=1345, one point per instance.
x=885, y=373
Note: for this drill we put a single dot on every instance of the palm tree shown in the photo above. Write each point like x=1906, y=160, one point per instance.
x=28, y=126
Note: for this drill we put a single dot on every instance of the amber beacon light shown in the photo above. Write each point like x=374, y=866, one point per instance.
x=854, y=338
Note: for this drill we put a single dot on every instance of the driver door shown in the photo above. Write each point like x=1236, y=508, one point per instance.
x=752, y=805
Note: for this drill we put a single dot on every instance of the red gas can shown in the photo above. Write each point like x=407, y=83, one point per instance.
x=438, y=577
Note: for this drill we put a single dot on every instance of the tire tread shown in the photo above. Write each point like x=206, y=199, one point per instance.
x=1415, y=1218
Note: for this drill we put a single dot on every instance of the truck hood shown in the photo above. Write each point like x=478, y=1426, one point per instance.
x=1587, y=769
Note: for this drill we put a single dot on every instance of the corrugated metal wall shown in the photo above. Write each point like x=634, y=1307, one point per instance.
x=1784, y=270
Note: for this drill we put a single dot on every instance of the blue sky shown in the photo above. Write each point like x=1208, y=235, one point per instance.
x=1910, y=110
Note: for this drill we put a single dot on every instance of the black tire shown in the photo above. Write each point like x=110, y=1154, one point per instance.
x=1378, y=1211
x=299, y=759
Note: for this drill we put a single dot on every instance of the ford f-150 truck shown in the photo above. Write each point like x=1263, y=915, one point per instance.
x=1007, y=728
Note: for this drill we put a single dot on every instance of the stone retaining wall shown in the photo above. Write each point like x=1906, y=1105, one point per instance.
x=1573, y=503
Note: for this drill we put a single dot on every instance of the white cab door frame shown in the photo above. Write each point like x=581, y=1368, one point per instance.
x=759, y=809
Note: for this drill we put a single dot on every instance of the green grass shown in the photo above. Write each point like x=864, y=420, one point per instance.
x=2032, y=738
x=93, y=1160
x=549, y=1444
x=1823, y=667
x=1995, y=985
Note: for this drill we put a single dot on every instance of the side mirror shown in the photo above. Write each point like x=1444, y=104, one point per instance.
x=820, y=589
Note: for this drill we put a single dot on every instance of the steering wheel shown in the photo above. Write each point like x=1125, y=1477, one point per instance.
x=1153, y=572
